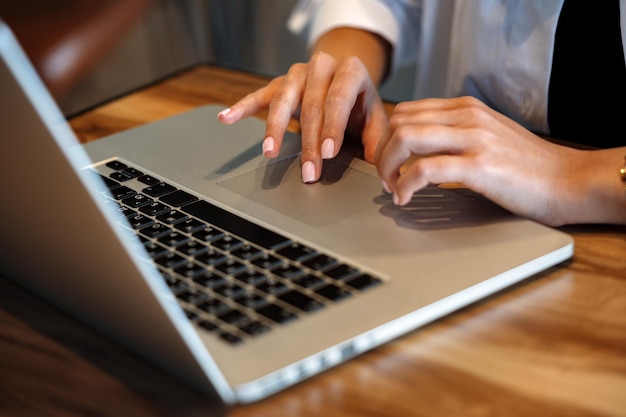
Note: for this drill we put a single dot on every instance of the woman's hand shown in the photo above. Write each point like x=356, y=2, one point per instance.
x=334, y=93
x=333, y=96
x=462, y=140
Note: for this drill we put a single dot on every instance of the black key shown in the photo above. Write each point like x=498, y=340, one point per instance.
x=155, y=250
x=209, y=280
x=193, y=248
x=287, y=271
x=272, y=286
x=333, y=292
x=209, y=234
x=172, y=217
x=116, y=165
x=235, y=224
x=158, y=190
x=251, y=277
x=192, y=296
x=191, y=270
x=341, y=271
x=139, y=221
x=227, y=243
x=276, y=313
x=309, y=281
x=207, y=325
x=138, y=200
x=230, y=338
x=319, y=262
x=127, y=211
x=190, y=225
x=148, y=180
x=247, y=252
x=154, y=209
x=174, y=239
x=251, y=300
x=213, y=306
x=296, y=252
x=122, y=192
x=132, y=172
x=230, y=290
x=266, y=261
x=301, y=301
x=254, y=328
x=156, y=231
x=212, y=257
x=360, y=282
x=233, y=316
x=171, y=260
x=230, y=267
x=178, y=198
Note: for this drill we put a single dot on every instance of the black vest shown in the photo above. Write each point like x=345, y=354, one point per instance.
x=587, y=93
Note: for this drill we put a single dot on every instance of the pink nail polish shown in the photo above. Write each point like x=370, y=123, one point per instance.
x=328, y=148
x=308, y=172
x=268, y=145
x=223, y=112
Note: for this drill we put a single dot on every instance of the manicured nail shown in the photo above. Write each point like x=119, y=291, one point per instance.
x=328, y=148
x=308, y=172
x=223, y=112
x=268, y=145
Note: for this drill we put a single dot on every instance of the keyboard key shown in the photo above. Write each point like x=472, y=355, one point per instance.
x=178, y=198
x=341, y=271
x=155, y=231
x=193, y=248
x=154, y=209
x=362, y=281
x=158, y=190
x=333, y=292
x=301, y=301
x=276, y=313
x=296, y=252
x=208, y=234
x=148, y=180
x=190, y=225
x=139, y=221
x=235, y=224
x=320, y=262
x=172, y=217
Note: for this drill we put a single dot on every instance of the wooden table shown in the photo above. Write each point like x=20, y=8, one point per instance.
x=552, y=346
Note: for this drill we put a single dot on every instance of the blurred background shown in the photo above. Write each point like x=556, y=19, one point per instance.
x=89, y=52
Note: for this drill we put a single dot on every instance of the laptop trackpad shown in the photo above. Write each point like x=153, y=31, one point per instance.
x=341, y=191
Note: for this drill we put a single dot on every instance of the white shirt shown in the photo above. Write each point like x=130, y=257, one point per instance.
x=499, y=51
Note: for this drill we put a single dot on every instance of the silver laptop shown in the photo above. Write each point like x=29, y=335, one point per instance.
x=182, y=242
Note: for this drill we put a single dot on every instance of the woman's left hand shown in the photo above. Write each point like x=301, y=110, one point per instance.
x=462, y=140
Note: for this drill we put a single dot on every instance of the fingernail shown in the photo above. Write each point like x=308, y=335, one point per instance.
x=223, y=112
x=308, y=172
x=396, y=199
x=268, y=145
x=328, y=148
x=386, y=186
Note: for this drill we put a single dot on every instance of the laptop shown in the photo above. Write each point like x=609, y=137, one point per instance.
x=179, y=240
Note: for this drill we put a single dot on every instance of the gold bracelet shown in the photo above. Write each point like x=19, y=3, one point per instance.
x=622, y=173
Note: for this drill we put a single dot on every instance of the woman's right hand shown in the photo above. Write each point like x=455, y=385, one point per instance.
x=333, y=96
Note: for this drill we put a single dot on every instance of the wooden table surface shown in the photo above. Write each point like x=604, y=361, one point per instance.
x=552, y=346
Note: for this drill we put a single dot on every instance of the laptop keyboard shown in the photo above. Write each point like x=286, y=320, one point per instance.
x=232, y=277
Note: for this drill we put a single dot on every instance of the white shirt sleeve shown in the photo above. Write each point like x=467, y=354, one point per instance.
x=397, y=21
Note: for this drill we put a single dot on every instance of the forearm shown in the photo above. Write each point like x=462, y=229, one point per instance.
x=370, y=48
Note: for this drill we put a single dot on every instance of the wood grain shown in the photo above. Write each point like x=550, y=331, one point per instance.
x=552, y=346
